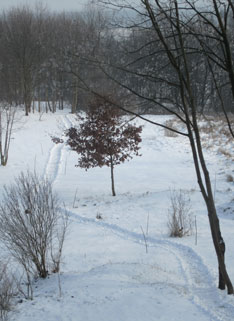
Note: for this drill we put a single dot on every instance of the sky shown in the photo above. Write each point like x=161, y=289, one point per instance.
x=54, y=5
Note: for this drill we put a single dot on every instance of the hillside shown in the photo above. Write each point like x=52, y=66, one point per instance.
x=107, y=274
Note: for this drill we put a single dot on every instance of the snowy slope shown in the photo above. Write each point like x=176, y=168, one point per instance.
x=106, y=273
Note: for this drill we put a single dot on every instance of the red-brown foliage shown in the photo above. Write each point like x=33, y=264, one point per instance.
x=103, y=138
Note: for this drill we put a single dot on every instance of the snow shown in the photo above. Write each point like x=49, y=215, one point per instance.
x=106, y=273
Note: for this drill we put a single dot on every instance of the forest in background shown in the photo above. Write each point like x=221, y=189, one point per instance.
x=66, y=57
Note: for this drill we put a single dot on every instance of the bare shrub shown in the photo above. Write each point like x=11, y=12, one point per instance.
x=179, y=214
x=7, y=291
x=33, y=225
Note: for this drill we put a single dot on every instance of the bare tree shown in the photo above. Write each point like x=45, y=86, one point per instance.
x=24, y=44
x=79, y=36
x=217, y=16
x=215, y=36
x=7, y=120
x=167, y=23
x=37, y=63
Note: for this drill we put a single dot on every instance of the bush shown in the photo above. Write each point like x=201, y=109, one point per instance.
x=32, y=224
x=179, y=215
x=7, y=291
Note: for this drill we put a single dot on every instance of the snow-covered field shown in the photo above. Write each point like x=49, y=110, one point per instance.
x=106, y=273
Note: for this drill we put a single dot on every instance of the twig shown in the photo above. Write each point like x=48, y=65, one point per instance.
x=147, y=226
x=74, y=200
x=195, y=230
x=146, y=245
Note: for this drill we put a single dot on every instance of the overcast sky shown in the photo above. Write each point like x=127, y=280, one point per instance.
x=54, y=5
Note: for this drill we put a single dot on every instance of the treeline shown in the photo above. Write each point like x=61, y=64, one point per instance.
x=64, y=57
x=40, y=56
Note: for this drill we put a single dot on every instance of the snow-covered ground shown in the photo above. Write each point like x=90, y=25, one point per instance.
x=106, y=273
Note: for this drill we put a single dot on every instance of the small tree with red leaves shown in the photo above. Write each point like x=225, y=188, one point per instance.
x=104, y=138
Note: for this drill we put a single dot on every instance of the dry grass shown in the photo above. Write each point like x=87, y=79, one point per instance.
x=225, y=152
x=216, y=135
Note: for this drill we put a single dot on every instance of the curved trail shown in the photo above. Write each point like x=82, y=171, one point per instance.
x=200, y=287
x=54, y=162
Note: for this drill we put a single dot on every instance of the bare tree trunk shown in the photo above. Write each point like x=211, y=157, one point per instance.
x=7, y=115
x=62, y=102
x=39, y=103
x=27, y=108
x=217, y=238
x=112, y=178
x=27, y=96
x=27, y=102
x=75, y=97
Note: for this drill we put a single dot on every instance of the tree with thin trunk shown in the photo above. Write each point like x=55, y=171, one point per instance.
x=7, y=121
x=103, y=138
x=166, y=24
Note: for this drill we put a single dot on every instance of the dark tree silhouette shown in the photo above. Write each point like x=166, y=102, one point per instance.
x=103, y=138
